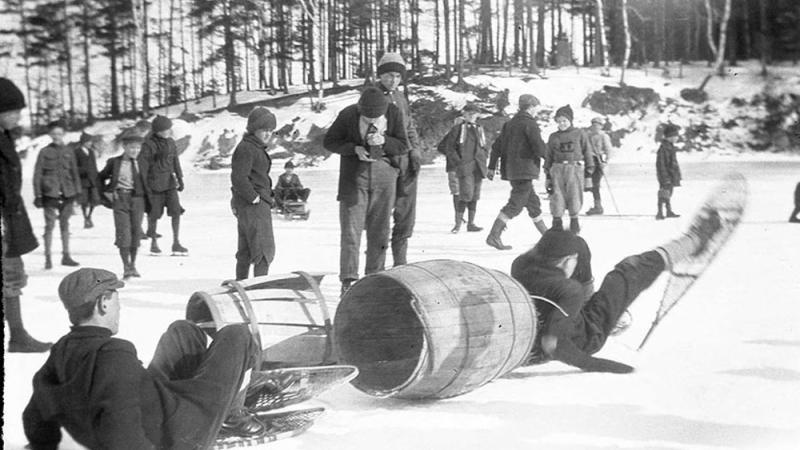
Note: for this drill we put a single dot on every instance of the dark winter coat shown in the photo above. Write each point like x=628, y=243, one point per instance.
x=250, y=166
x=159, y=160
x=56, y=173
x=667, y=169
x=94, y=386
x=87, y=166
x=343, y=137
x=111, y=172
x=570, y=145
x=289, y=181
x=520, y=148
x=17, y=232
x=465, y=148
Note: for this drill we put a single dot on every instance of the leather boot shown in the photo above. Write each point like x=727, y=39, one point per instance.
x=494, y=235
x=574, y=226
x=558, y=225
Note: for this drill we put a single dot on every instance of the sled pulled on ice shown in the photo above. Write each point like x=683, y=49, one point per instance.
x=280, y=424
x=294, y=209
x=279, y=388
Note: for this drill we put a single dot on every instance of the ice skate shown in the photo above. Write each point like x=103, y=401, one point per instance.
x=179, y=250
x=154, y=250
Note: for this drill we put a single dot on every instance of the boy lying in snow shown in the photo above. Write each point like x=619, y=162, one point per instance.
x=549, y=270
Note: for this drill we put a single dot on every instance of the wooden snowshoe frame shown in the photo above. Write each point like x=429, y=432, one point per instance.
x=254, y=302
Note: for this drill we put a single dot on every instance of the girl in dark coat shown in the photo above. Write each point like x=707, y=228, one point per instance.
x=667, y=171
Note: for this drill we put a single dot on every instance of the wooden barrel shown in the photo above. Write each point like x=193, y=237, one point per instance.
x=433, y=329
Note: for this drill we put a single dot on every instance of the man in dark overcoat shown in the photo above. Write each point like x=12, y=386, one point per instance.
x=253, y=199
x=18, y=238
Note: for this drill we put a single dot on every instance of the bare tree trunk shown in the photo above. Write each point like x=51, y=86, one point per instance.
x=602, y=47
x=87, y=63
x=763, y=37
x=184, y=89
x=446, y=11
x=68, y=55
x=718, y=50
x=505, y=31
x=531, y=41
x=540, y=10
x=461, y=31
x=627, y=31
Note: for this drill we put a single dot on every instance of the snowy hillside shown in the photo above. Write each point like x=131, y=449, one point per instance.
x=721, y=372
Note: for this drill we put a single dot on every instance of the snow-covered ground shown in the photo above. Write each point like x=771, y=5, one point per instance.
x=722, y=371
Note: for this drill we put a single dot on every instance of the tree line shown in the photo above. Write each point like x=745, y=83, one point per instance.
x=90, y=59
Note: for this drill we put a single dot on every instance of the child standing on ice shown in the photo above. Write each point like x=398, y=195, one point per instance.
x=794, y=217
x=465, y=148
x=568, y=160
x=667, y=171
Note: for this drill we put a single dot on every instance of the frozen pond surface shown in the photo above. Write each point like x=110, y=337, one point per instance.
x=722, y=371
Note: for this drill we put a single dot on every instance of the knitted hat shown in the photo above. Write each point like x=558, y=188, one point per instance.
x=288, y=165
x=564, y=111
x=11, y=97
x=670, y=130
x=85, y=138
x=392, y=62
x=58, y=123
x=527, y=100
x=471, y=107
x=161, y=123
x=132, y=134
x=372, y=103
x=557, y=244
x=260, y=118
x=85, y=285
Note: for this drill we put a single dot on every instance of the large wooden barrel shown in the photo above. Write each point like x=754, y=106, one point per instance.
x=433, y=329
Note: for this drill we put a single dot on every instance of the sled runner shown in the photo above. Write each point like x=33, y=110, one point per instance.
x=728, y=201
x=294, y=209
x=278, y=388
x=280, y=425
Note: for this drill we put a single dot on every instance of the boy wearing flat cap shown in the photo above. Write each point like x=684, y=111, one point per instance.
x=466, y=151
x=17, y=237
x=124, y=178
x=558, y=268
x=668, y=172
x=368, y=136
x=159, y=160
x=56, y=184
x=94, y=386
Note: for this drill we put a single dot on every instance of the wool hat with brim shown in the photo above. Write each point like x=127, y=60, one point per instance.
x=471, y=107
x=161, y=123
x=565, y=111
x=260, y=118
x=85, y=285
x=557, y=244
x=670, y=130
x=11, y=98
x=528, y=100
x=131, y=135
x=85, y=138
x=372, y=103
x=391, y=62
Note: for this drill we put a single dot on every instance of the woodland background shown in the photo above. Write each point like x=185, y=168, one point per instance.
x=85, y=60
